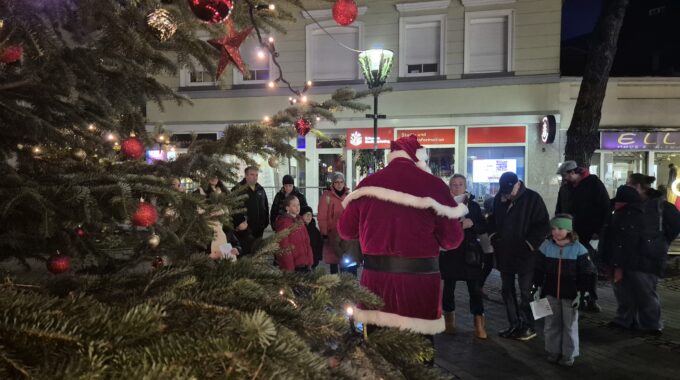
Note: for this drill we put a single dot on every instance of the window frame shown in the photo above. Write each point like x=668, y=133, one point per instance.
x=476, y=15
x=311, y=28
x=238, y=77
x=185, y=72
x=404, y=22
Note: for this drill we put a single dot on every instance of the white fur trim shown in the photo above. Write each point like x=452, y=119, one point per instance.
x=421, y=164
x=416, y=325
x=405, y=199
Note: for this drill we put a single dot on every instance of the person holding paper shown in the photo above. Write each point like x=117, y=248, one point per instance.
x=563, y=273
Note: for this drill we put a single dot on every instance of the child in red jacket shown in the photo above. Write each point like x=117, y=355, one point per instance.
x=297, y=255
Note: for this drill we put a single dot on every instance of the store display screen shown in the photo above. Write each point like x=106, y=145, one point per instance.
x=486, y=171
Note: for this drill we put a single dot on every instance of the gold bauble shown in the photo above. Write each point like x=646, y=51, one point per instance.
x=154, y=241
x=79, y=154
x=273, y=162
x=161, y=23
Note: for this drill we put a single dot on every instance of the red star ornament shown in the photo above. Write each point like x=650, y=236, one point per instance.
x=229, y=47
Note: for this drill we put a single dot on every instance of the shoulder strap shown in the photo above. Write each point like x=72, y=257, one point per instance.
x=659, y=205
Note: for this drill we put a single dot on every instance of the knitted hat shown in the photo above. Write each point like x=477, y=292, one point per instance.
x=305, y=210
x=412, y=147
x=507, y=182
x=562, y=221
x=567, y=166
x=288, y=180
x=627, y=194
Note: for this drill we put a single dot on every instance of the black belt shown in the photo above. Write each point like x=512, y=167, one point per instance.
x=395, y=264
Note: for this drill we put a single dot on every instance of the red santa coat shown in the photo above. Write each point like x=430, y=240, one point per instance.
x=298, y=240
x=406, y=212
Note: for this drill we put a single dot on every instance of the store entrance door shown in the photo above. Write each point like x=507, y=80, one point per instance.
x=617, y=166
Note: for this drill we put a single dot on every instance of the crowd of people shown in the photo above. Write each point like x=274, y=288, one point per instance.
x=415, y=232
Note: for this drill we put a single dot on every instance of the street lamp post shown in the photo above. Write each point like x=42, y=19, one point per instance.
x=376, y=65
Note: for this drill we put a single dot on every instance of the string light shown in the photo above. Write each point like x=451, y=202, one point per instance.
x=37, y=150
x=303, y=99
x=110, y=137
x=260, y=54
x=318, y=118
x=91, y=127
x=309, y=83
x=271, y=84
x=272, y=7
x=161, y=138
x=267, y=119
x=271, y=40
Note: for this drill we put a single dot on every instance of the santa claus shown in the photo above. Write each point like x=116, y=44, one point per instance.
x=403, y=216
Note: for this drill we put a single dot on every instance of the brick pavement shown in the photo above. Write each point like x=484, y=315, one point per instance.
x=606, y=353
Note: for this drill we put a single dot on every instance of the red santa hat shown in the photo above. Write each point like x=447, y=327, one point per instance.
x=409, y=147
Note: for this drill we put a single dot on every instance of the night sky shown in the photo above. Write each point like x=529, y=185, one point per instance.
x=579, y=17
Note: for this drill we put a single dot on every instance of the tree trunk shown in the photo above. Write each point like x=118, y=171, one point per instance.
x=582, y=136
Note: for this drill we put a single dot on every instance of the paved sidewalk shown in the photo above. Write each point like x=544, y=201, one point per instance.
x=606, y=353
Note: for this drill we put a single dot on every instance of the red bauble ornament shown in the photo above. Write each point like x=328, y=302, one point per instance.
x=132, y=148
x=12, y=54
x=345, y=12
x=303, y=126
x=145, y=215
x=80, y=232
x=212, y=11
x=157, y=263
x=58, y=263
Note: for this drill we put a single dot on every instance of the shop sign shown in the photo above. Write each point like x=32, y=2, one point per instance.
x=430, y=136
x=362, y=138
x=548, y=129
x=640, y=140
x=497, y=135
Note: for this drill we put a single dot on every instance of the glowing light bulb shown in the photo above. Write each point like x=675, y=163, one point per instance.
x=161, y=138
x=281, y=292
x=309, y=83
x=318, y=118
x=260, y=54
x=349, y=310
x=110, y=137
x=267, y=119
x=304, y=99
x=272, y=7
x=271, y=40
x=91, y=127
x=271, y=84
x=36, y=150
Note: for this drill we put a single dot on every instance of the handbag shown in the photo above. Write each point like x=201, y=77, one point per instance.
x=473, y=253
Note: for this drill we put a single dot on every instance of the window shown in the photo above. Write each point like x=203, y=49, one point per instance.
x=198, y=76
x=326, y=59
x=421, y=45
x=257, y=67
x=488, y=42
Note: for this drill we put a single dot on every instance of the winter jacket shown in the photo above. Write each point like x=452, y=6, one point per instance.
x=588, y=202
x=564, y=270
x=316, y=241
x=277, y=203
x=518, y=228
x=661, y=227
x=621, y=237
x=465, y=262
x=296, y=246
x=257, y=205
x=330, y=209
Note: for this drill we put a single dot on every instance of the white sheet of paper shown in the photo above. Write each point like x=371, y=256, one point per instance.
x=541, y=308
x=226, y=251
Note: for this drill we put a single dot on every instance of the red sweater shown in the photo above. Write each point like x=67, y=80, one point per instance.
x=298, y=248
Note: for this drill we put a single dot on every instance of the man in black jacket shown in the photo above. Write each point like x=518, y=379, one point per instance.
x=287, y=189
x=585, y=198
x=257, y=205
x=518, y=226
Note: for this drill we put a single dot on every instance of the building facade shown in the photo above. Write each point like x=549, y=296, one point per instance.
x=473, y=79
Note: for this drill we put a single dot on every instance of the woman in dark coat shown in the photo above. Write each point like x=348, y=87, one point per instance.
x=465, y=262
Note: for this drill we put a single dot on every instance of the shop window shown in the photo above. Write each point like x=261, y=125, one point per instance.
x=326, y=59
x=422, y=45
x=485, y=165
x=488, y=42
x=442, y=162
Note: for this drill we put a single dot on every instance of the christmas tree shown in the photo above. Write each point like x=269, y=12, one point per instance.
x=139, y=298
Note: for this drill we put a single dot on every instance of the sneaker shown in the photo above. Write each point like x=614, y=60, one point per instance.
x=553, y=358
x=507, y=333
x=524, y=334
x=567, y=362
x=653, y=332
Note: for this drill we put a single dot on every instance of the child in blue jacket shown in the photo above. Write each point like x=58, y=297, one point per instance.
x=562, y=274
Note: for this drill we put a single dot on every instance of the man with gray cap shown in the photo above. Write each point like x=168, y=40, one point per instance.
x=518, y=226
x=584, y=197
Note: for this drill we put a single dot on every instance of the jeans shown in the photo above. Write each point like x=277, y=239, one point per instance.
x=638, y=302
x=519, y=316
x=561, y=328
x=592, y=288
x=474, y=290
